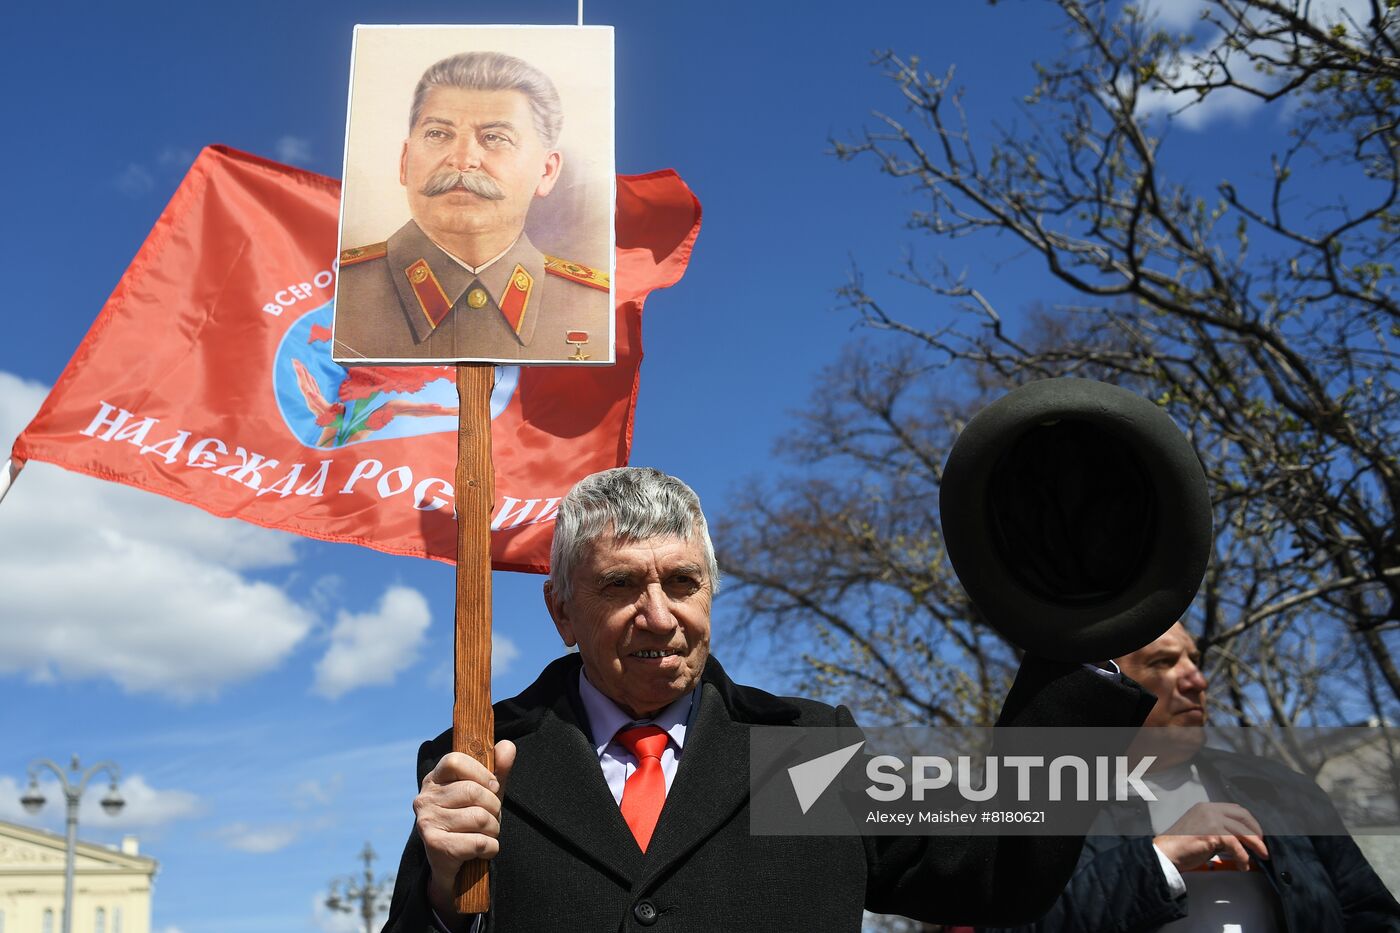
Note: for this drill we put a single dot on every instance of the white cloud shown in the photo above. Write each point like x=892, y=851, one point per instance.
x=296, y=149
x=335, y=921
x=318, y=791
x=98, y=580
x=146, y=807
x=503, y=655
x=1185, y=14
x=259, y=840
x=373, y=647
x=134, y=181
x=1177, y=14
x=1191, y=113
x=176, y=158
x=360, y=760
x=325, y=591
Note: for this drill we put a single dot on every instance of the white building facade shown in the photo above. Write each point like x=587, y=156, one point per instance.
x=111, y=886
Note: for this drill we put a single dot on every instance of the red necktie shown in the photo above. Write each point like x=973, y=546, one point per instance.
x=645, y=791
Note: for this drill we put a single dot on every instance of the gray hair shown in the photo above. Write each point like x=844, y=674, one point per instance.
x=633, y=504
x=495, y=71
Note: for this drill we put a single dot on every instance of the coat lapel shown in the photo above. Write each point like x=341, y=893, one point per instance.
x=410, y=245
x=711, y=784
x=497, y=279
x=557, y=781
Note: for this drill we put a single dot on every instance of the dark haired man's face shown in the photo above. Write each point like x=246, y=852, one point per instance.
x=490, y=137
x=1169, y=670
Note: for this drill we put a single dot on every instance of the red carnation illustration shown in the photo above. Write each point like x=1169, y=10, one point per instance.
x=364, y=381
x=356, y=415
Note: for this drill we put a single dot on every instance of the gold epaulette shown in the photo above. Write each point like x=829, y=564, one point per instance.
x=348, y=257
x=576, y=272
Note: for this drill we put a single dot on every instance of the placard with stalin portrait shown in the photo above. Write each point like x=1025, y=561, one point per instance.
x=485, y=233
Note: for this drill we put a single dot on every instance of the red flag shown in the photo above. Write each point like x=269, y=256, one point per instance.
x=207, y=377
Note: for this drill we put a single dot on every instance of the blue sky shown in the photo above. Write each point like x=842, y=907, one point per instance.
x=227, y=668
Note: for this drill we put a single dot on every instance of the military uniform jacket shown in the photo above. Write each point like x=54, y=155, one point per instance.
x=406, y=299
x=569, y=863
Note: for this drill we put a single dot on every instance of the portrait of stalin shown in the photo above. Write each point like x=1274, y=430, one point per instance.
x=461, y=280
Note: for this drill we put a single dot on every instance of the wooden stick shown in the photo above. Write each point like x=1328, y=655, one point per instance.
x=473, y=726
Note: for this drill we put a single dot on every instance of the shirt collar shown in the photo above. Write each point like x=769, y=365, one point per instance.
x=1178, y=775
x=605, y=718
x=485, y=265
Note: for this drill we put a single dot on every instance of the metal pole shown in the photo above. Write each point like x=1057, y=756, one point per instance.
x=71, y=855
x=8, y=472
x=73, y=795
x=351, y=895
x=368, y=892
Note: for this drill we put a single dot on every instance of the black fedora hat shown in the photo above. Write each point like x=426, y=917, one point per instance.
x=1077, y=517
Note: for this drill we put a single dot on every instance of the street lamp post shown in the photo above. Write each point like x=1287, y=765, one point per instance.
x=112, y=803
x=372, y=895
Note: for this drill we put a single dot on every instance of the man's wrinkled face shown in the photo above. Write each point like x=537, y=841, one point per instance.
x=640, y=615
x=1168, y=669
x=473, y=163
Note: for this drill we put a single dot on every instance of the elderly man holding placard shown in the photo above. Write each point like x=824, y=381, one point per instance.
x=620, y=797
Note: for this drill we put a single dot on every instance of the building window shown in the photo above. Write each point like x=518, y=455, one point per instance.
x=100, y=926
x=116, y=920
x=48, y=920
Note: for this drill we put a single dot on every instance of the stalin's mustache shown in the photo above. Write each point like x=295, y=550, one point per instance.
x=449, y=179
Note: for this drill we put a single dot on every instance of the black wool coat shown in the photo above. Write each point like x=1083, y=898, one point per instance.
x=1323, y=883
x=568, y=861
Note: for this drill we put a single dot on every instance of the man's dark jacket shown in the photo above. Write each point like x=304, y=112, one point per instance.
x=568, y=861
x=1324, y=884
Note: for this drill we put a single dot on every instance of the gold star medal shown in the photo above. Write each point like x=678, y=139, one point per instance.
x=578, y=339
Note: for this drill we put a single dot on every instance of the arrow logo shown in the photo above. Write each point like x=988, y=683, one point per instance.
x=811, y=778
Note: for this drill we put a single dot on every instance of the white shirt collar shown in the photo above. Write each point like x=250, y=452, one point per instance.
x=605, y=718
x=484, y=266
